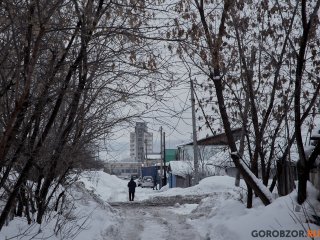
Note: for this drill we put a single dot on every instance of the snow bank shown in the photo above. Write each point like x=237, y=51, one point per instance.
x=206, y=186
x=81, y=219
x=229, y=219
x=112, y=189
x=108, y=187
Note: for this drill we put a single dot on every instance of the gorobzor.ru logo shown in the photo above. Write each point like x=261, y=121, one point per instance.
x=278, y=233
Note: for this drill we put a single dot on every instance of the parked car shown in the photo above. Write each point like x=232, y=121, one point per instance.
x=147, y=181
x=134, y=176
x=138, y=181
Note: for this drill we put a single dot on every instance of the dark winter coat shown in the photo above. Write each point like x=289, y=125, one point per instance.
x=132, y=185
x=155, y=181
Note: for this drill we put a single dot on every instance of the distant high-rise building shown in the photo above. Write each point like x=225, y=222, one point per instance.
x=141, y=142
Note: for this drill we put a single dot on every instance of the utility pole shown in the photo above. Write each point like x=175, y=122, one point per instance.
x=161, y=157
x=145, y=142
x=164, y=160
x=194, y=131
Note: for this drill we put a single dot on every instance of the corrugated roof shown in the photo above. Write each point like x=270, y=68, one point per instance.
x=219, y=139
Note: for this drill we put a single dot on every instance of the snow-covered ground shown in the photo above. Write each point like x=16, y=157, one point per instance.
x=221, y=214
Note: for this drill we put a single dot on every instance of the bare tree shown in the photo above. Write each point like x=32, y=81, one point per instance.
x=70, y=72
x=248, y=58
x=201, y=31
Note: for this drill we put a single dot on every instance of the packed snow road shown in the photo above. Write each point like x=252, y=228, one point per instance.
x=162, y=218
x=154, y=220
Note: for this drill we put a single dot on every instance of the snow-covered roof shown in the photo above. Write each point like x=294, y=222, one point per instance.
x=180, y=168
x=218, y=139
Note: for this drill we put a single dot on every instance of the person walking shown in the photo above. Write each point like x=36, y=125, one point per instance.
x=132, y=187
x=155, y=183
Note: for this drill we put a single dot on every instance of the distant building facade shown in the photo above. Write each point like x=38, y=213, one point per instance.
x=141, y=142
x=123, y=169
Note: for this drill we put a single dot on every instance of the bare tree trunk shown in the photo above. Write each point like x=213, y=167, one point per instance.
x=250, y=197
x=303, y=166
x=234, y=152
x=215, y=76
x=12, y=198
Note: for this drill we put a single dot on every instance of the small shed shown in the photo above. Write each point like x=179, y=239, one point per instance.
x=180, y=174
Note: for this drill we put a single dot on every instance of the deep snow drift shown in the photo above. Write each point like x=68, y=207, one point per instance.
x=221, y=214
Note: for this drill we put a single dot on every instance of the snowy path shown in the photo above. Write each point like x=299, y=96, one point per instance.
x=141, y=222
x=159, y=218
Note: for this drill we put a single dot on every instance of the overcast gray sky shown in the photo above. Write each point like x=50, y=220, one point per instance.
x=174, y=116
